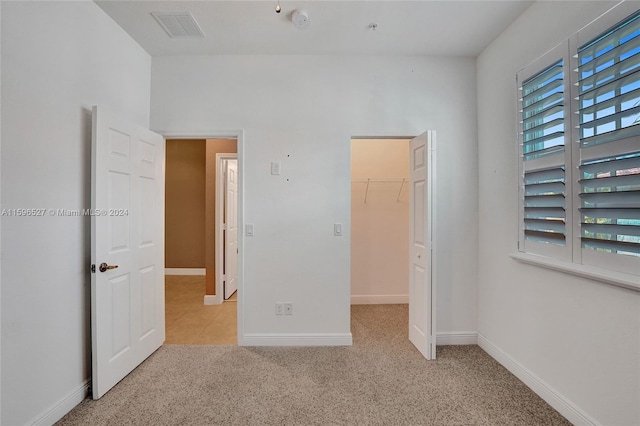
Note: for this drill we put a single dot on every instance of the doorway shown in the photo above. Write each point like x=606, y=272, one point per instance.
x=379, y=221
x=392, y=238
x=195, y=312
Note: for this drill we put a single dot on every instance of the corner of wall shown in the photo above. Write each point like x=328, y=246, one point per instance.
x=564, y=406
x=66, y=404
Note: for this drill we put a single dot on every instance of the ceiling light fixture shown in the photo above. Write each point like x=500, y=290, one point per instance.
x=278, y=8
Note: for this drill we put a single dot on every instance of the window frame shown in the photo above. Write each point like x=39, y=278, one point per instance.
x=572, y=258
x=563, y=252
x=615, y=262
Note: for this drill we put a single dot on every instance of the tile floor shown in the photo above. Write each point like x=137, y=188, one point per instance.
x=189, y=321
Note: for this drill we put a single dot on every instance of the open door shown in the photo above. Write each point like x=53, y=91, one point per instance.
x=231, y=229
x=421, y=288
x=127, y=248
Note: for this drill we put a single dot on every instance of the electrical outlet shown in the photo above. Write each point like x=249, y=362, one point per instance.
x=279, y=308
x=288, y=308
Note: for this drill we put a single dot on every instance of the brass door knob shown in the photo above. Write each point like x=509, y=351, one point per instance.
x=104, y=267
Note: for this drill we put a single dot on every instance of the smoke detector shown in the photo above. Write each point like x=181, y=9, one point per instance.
x=300, y=19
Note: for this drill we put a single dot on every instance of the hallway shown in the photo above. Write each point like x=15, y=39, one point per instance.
x=189, y=321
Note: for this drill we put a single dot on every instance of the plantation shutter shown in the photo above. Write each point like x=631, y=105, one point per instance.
x=543, y=147
x=608, y=78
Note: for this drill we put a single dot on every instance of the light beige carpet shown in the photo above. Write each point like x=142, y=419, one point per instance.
x=380, y=380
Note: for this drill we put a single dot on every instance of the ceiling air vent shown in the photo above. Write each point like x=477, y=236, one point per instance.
x=179, y=25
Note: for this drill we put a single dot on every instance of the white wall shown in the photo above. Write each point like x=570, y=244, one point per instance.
x=58, y=59
x=379, y=226
x=309, y=107
x=579, y=338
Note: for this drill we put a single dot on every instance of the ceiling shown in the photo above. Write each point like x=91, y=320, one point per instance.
x=427, y=27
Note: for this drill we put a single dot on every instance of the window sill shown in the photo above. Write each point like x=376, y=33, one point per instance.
x=618, y=279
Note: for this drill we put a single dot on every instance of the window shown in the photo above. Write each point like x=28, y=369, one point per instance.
x=543, y=142
x=544, y=134
x=580, y=149
x=608, y=112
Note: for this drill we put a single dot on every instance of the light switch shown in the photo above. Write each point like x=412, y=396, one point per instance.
x=275, y=167
x=248, y=229
x=337, y=229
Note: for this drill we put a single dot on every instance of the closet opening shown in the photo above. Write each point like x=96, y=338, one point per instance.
x=393, y=228
x=379, y=221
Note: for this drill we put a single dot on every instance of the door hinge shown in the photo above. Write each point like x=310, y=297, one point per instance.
x=93, y=268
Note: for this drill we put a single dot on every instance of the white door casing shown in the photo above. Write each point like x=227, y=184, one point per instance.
x=421, y=249
x=231, y=229
x=127, y=229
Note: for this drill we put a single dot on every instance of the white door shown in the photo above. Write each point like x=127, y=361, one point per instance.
x=421, y=288
x=231, y=242
x=127, y=248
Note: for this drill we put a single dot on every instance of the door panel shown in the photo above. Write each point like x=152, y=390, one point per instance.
x=127, y=230
x=148, y=278
x=421, y=292
x=120, y=319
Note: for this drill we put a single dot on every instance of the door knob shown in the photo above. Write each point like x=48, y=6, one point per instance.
x=104, y=267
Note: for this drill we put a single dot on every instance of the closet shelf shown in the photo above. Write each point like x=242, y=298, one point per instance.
x=391, y=179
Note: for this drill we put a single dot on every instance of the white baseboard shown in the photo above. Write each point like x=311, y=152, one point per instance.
x=212, y=299
x=457, y=338
x=296, y=339
x=185, y=271
x=558, y=401
x=59, y=410
x=268, y=339
x=379, y=299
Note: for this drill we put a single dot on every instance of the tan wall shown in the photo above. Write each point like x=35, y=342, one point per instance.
x=185, y=204
x=213, y=147
x=379, y=228
x=379, y=158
